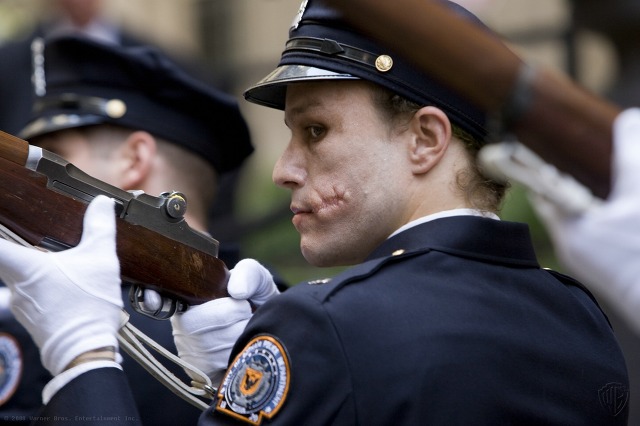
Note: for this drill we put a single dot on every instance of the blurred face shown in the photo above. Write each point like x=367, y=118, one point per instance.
x=80, y=12
x=345, y=169
x=74, y=147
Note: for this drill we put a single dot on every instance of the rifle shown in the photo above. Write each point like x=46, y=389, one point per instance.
x=43, y=199
x=562, y=122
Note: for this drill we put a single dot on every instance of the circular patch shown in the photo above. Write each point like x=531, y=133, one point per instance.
x=10, y=366
x=257, y=382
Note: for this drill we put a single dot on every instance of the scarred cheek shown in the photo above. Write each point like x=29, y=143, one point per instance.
x=335, y=199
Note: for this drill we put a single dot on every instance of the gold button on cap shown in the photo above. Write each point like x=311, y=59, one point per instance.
x=115, y=108
x=384, y=63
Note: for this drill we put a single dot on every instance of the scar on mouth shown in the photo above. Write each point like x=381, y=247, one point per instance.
x=333, y=201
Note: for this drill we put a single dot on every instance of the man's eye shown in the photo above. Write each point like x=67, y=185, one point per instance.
x=315, y=131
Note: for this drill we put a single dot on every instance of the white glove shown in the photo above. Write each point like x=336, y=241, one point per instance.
x=251, y=281
x=601, y=246
x=69, y=301
x=205, y=334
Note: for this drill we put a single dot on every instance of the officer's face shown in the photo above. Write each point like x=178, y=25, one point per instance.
x=73, y=146
x=345, y=169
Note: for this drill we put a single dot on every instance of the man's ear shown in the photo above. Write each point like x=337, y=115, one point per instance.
x=430, y=131
x=138, y=153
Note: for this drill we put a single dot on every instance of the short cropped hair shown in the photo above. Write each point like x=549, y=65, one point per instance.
x=481, y=192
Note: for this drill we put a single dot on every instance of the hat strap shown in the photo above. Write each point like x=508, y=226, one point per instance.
x=330, y=47
x=112, y=108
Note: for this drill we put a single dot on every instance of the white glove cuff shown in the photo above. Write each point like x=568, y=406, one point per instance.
x=68, y=344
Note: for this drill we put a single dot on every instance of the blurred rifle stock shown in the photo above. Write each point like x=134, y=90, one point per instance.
x=565, y=124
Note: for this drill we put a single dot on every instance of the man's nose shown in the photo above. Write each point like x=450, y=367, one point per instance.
x=289, y=170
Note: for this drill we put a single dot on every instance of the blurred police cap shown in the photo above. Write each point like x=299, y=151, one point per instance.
x=86, y=82
x=323, y=46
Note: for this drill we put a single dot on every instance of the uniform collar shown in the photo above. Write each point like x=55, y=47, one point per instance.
x=446, y=213
x=467, y=236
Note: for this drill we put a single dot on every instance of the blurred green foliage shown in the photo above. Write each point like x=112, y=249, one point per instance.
x=517, y=208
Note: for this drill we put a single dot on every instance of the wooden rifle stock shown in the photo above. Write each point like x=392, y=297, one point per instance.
x=564, y=123
x=43, y=215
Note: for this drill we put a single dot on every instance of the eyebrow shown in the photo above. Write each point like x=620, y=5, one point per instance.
x=302, y=109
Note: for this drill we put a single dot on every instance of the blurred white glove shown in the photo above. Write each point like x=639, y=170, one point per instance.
x=205, y=334
x=69, y=301
x=601, y=246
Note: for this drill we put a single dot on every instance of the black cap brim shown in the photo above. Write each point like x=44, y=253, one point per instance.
x=271, y=90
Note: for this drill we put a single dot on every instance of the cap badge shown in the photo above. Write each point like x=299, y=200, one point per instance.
x=298, y=17
x=115, y=108
x=37, y=63
x=384, y=63
x=257, y=382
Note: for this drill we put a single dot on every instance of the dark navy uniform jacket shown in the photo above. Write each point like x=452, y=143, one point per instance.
x=451, y=322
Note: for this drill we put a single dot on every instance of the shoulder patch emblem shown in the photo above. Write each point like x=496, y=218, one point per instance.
x=257, y=382
x=10, y=366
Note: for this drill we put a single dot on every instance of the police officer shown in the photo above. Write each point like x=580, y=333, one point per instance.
x=445, y=317
x=130, y=117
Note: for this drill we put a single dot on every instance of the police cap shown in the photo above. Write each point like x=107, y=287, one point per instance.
x=323, y=46
x=87, y=82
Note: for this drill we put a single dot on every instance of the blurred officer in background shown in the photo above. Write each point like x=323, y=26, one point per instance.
x=87, y=18
x=131, y=118
x=446, y=317
x=79, y=17
x=600, y=244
